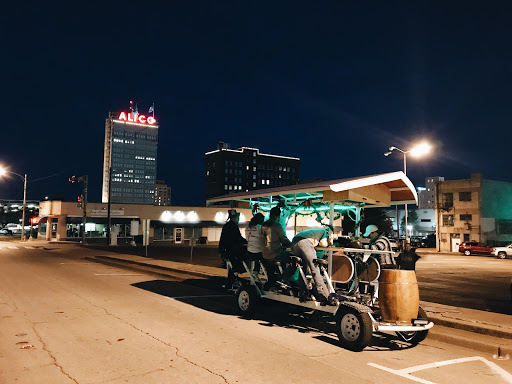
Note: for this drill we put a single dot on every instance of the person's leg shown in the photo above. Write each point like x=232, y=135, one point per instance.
x=296, y=250
x=308, y=253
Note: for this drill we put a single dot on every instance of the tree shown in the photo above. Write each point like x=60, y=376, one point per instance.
x=412, y=220
x=369, y=216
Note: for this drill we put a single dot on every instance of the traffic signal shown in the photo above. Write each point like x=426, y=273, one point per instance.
x=80, y=201
x=34, y=220
x=77, y=179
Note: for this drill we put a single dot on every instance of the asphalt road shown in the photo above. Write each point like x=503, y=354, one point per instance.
x=67, y=320
x=477, y=282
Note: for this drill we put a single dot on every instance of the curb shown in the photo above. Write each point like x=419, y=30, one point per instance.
x=478, y=342
x=439, y=320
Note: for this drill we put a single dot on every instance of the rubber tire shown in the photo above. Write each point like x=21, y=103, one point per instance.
x=502, y=255
x=354, y=329
x=415, y=337
x=246, y=299
x=467, y=252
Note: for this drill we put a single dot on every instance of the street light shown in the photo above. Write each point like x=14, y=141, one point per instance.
x=417, y=151
x=3, y=171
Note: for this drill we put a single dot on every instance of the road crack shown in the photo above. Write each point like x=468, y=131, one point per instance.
x=177, y=353
x=47, y=350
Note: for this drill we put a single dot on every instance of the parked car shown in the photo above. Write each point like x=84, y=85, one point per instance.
x=14, y=228
x=5, y=232
x=502, y=252
x=428, y=241
x=471, y=248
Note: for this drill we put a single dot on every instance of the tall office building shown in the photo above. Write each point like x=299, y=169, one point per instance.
x=163, y=193
x=246, y=169
x=426, y=197
x=129, y=160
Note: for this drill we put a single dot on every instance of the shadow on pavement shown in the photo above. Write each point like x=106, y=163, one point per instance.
x=208, y=295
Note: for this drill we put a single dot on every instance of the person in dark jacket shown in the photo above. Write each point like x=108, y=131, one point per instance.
x=407, y=258
x=232, y=245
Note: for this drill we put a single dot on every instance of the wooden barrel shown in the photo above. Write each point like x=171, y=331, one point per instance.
x=399, y=297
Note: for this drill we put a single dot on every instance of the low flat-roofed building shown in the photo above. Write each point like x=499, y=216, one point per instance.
x=60, y=220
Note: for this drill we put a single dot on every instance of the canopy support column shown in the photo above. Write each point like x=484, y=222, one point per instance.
x=358, y=219
x=331, y=232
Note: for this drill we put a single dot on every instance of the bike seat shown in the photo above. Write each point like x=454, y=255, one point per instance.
x=320, y=261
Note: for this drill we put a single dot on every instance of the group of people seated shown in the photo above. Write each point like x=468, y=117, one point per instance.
x=266, y=243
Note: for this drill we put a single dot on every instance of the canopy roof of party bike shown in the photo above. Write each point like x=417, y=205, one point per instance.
x=382, y=190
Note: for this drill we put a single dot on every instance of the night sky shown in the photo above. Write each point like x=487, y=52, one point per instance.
x=334, y=83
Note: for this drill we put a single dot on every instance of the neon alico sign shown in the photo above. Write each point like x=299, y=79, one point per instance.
x=137, y=118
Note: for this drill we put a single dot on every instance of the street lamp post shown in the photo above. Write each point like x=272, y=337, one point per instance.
x=3, y=171
x=417, y=151
x=109, y=219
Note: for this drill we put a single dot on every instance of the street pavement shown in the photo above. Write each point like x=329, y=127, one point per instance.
x=489, y=332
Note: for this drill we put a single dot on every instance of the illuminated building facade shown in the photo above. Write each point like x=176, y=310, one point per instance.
x=246, y=169
x=130, y=156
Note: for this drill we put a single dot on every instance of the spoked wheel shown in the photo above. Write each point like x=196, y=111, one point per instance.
x=415, y=337
x=354, y=329
x=246, y=298
x=467, y=252
x=502, y=255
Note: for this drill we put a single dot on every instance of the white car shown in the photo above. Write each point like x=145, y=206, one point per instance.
x=14, y=228
x=502, y=252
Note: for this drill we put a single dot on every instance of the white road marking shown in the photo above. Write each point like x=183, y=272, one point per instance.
x=28, y=247
x=398, y=373
x=406, y=372
x=11, y=247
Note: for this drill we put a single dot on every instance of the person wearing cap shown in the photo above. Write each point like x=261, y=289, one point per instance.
x=303, y=245
x=379, y=242
x=232, y=244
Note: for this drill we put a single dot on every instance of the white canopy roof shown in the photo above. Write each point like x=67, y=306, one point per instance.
x=380, y=190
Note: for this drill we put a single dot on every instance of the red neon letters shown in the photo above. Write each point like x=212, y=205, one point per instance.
x=137, y=118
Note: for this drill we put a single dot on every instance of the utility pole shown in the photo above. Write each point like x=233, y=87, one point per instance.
x=108, y=204
x=24, y=208
x=84, y=207
x=82, y=200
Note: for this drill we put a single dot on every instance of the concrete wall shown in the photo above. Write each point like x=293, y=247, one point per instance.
x=449, y=236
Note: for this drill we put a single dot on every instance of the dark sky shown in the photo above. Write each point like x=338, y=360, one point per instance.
x=334, y=83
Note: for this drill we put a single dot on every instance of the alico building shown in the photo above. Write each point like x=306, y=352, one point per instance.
x=130, y=158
